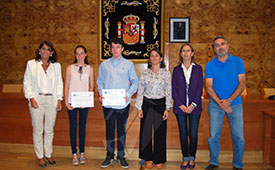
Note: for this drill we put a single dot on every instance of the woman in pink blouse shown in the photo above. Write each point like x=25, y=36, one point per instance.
x=153, y=104
x=79, y=78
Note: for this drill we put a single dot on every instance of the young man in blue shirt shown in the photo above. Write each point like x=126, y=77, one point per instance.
x=225, y=80
x=116, y=73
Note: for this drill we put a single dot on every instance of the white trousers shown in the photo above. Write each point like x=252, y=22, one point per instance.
x=43, y=120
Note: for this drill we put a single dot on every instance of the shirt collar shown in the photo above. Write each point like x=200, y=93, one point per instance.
x=160, y=70
x=182, y=66
x=40, y=61
x=117, y=61
x=229, y=58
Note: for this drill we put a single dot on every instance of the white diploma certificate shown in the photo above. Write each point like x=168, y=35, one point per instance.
x=82, y=99
x=113, y=97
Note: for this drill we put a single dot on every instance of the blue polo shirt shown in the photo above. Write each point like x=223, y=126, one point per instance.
x=225, y=76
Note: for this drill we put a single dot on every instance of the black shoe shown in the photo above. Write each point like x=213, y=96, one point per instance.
x=123, y=163
x=51, y=161
x=237, y=168
x=107, y=162
x=211, y=167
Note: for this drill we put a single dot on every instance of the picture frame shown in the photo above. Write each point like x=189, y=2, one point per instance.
x=179, y=30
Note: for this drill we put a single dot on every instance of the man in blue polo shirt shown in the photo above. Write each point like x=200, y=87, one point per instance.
x=225, y=80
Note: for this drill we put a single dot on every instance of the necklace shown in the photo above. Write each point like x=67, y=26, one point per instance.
x=45, y=67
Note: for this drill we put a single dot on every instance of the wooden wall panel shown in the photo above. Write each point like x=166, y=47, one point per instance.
x=248, y=25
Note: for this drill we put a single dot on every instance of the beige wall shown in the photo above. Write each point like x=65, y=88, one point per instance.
x=248, y=25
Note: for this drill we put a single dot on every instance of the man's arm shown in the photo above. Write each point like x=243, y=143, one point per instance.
x=134, y=81
x=240, y=88
x=100, y=81
x=210, y=90
x=237, y=92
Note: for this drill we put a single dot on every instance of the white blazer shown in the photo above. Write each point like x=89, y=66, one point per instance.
x=31, y=85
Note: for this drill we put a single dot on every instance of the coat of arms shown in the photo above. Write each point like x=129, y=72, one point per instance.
x=131, y=32
x=137, y=23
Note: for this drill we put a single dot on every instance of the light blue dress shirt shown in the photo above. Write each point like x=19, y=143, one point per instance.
x=117, y=74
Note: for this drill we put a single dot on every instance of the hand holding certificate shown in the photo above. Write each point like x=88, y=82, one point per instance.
x=113, y=97
x=82, y=99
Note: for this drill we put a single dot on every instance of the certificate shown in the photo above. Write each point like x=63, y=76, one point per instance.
x=82, y=99
x=113, y=97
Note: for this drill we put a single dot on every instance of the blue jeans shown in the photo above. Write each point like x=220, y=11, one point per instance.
x=235, y=119
x=82, y=128
x=113, y=118
x=188, y=150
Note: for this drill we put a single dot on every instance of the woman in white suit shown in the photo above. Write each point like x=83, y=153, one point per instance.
x=43, y=87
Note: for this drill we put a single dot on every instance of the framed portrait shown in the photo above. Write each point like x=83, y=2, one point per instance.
x=179, y=30
x=138, y=23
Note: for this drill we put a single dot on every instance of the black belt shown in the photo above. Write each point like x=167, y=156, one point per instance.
x=45, y=94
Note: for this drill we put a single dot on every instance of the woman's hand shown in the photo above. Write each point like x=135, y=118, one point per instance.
x=165, y=114
x=183, y=108
x=100, y=98
x=140, y=114
x=69, y=107
x=59, y=106
x=33, y=103
x=126, y=99
x=189, y=109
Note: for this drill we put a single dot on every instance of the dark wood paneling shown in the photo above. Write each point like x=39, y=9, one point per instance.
x=269, y=138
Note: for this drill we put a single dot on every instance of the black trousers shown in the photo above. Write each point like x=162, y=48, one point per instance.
x=116, y=118
x=152, y=120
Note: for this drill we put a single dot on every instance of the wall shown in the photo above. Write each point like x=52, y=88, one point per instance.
x=248, y=25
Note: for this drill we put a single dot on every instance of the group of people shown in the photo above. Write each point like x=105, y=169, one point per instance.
x=224, y=79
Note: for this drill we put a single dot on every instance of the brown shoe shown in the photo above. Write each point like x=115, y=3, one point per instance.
x=51, y=161
x=42, y=163
x=158, y=166
x=149, y=164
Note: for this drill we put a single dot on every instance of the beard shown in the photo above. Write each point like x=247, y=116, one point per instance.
x=221, y=52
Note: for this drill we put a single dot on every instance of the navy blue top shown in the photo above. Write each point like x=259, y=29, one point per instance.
x=194, y=91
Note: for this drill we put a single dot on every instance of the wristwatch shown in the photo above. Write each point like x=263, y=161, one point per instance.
x=229, y=100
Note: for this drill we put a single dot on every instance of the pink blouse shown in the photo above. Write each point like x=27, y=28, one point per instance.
x=79, y=80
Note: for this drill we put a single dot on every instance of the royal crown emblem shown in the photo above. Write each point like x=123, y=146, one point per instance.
x=132, y=32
